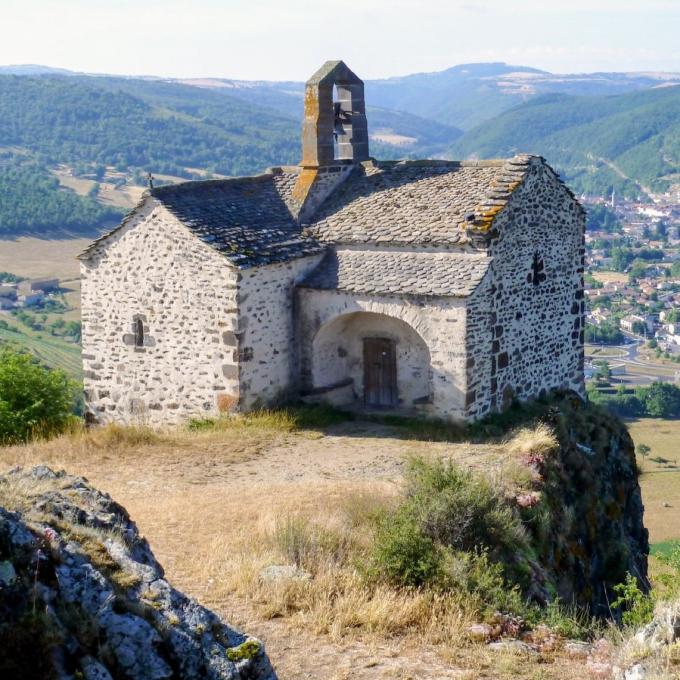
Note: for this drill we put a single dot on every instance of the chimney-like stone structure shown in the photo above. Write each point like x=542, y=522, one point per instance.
x=334, y=134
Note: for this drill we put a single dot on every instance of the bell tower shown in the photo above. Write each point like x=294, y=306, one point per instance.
x=334, y=133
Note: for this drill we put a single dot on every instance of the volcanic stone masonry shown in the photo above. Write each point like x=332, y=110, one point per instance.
x=439, y=288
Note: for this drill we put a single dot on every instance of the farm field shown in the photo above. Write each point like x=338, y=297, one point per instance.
x=33, y=257
x=610, y=277
x=660, y=481
x=51, y=350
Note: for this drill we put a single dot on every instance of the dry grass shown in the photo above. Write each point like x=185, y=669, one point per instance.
x=533, y=441
x=660, y=482
x=127, y=450
x=326, y=534
x=220, y=503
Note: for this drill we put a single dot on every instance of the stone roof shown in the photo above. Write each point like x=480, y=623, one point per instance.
x=252, y=220
x=247, y=219
x=450, y=274
x=416, y=202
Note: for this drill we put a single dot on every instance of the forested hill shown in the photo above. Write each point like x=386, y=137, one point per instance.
x=91, y=129
x=100, y=125
x=630, y=141
x=81, y=120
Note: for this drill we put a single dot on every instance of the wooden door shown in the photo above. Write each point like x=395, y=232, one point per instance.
x=380, y=373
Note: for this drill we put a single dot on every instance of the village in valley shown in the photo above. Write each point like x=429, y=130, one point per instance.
x=632, y=287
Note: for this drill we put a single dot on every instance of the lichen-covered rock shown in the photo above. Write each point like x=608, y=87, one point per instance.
x=587, y=529
x=652, y=652
x=82, y=596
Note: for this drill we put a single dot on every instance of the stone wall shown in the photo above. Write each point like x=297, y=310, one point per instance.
x=418, y=324
x=266, y=345
x=525, y=321
x=184, y=293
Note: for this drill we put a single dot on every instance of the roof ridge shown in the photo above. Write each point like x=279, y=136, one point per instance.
x=465, y=163
x=191, y=185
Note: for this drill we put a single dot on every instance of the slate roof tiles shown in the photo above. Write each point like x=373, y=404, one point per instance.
x=251, y=220
x=406, y=203
x=373, y=272
x=246, y=219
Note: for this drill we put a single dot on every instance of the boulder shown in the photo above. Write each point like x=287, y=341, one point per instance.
x=82, y=595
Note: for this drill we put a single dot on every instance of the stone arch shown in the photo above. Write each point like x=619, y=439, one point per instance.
x=336, y=356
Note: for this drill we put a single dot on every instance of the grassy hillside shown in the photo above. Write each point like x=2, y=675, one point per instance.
x=630, y=142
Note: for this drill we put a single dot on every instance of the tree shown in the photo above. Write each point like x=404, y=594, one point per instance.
x=621, y=258
x=34, y=400
x=661, y=400
x=639, y=328
x=606, y=333
x=602, y=218
x=637, y=270
x=604, y=373
x=643, y=450
x=662, y=231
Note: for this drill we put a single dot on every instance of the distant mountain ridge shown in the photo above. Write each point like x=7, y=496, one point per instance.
x=629, y=142
x=461, y=96
x=602, y=131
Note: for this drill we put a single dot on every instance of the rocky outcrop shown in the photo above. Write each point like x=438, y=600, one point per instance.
x=82, y=596
x=585, y=512
x=651, y=653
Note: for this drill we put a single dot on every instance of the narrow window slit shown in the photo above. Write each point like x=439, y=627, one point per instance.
x=139, y=333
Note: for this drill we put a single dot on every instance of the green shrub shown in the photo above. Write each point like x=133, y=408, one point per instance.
x=461, y=510
x=404, y=555
x=474, y=573
x=452, y=531
x=637, y=607
x=34, y=400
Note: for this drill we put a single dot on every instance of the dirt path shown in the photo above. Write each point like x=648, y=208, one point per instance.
x=192, y=502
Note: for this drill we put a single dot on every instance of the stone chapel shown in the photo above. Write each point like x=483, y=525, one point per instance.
x=442, y=288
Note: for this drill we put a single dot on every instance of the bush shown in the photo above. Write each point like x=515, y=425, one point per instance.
x=404, y=555
x=461, y=510
x=34, y=400
x=637, y=607
x=661, y=400
x=452, y=530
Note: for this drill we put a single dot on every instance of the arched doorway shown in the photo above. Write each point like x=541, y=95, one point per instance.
x=384, y=360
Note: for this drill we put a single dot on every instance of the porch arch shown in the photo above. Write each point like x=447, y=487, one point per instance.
x=337, y=349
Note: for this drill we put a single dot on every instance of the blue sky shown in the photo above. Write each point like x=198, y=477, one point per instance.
x=288, y=39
